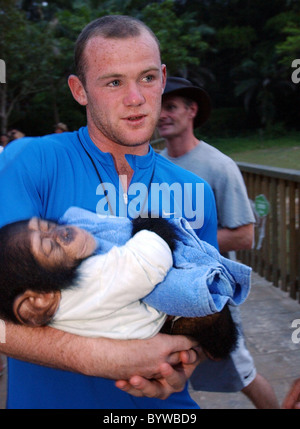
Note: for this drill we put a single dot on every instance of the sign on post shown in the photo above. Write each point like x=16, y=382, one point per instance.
x=262, y=209
x=262, y=205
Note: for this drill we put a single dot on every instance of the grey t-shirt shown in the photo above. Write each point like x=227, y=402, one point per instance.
x=223, y=175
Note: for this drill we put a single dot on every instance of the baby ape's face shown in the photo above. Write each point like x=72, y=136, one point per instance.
x=54, y=244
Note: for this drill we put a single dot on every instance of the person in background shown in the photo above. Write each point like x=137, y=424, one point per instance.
x=2, y=365
x=60, y=128
x=15, y=135
x=184, y=108
x=3, y=141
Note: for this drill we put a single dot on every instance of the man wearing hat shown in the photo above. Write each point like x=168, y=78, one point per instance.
x=184, y=108
x=60, y=128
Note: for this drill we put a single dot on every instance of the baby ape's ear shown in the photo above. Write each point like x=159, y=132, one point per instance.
x=34, y=308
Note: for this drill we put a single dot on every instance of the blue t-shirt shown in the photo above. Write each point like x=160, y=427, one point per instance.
x=43, y=177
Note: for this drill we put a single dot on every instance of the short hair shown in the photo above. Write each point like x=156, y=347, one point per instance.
x=109, y=27
x=19, y=270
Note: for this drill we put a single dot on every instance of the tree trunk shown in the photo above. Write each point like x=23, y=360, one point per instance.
x=54, y=105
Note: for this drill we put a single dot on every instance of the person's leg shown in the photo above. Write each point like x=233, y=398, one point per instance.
x=237, y=373
x=261, y=394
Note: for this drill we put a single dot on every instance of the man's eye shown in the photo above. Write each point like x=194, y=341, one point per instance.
x=47, y=245
x=171, y=107
x=115, y=82
x=148, y=78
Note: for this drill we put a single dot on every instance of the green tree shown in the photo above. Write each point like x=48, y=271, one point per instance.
x=241, y=50
x=262, y=83
x=39, y=57
x=22, y=46
x=180, y=37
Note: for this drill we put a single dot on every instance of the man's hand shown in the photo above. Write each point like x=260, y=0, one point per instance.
x=170, y=379
x=155, y=367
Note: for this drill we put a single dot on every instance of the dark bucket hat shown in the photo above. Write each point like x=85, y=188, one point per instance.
x=184, y=88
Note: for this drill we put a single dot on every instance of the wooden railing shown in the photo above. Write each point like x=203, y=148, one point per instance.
x=278, y=258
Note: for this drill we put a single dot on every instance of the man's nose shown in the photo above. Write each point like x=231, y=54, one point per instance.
x=163, y=113
x=134, y=96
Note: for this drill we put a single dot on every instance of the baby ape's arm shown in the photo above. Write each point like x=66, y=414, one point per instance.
x=217, y=333
x=160, y=226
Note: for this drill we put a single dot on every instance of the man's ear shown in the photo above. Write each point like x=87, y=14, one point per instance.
x=77, y=89
x=30, y=308
x=164, y=76
x=193, y=109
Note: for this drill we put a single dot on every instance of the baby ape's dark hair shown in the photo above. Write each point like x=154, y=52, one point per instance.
x=160, y=226
x=19, y=270
x=217, y=334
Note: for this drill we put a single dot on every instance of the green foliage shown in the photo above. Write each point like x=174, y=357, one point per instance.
x=236, y=37
x=262, y=81
x=224, y=122
x=178, y=36
x=23, y=47
x=241, y=51
x=277, y=150
x=290, y=48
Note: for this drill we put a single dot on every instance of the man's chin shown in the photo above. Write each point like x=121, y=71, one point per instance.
x=165, y=131
x=134, y=139
x=133, y=144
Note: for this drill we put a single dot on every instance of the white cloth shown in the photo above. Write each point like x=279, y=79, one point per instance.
x=105, y=302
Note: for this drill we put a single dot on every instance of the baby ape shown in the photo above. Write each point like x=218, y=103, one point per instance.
x=22, y=270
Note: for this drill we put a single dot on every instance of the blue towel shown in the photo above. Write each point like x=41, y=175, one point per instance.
x=201, y=281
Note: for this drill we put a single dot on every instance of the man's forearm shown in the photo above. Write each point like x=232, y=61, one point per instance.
x=101, y=357
x=240, y=238
x=47, y=346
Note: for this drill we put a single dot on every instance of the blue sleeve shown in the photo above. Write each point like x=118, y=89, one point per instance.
x=208, y=232
x=20, y=180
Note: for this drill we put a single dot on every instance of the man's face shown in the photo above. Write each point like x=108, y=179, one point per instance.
x=124, y=83
x=175, y=116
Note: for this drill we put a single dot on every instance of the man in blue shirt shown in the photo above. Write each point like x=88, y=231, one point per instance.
x=109, y=168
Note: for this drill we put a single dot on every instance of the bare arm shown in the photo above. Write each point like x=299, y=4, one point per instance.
x=240, y=238
x=114, y=359
x=292, y=399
